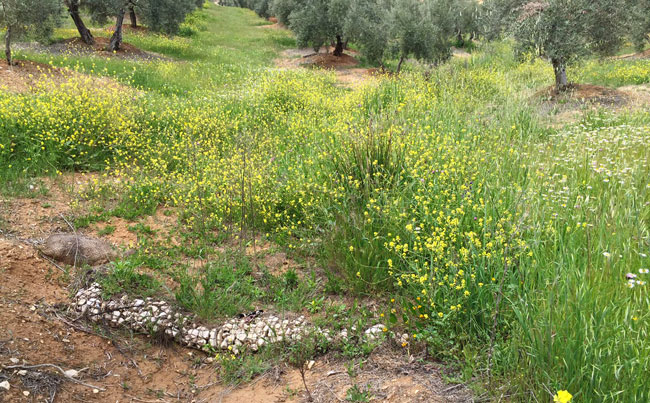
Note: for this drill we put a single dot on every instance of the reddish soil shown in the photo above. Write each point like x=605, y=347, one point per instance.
x=28, y=75
x=75, y=46
x=126, y=49
x=132, y=368
x=329, y=61
x=567, y=107
x=346, y=73
x=584, y=93
x=24, y=74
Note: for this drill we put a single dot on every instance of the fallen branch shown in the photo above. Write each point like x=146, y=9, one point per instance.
x=449, y=389
x=71, y=379
x=40, y=254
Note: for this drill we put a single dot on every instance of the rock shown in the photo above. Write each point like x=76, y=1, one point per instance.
x=14, y=360
x=74, y=249
x=22, y=372
x=71, y=373
x=95, y=391
x=310, y=364
x=4, y=385
x=25, y=393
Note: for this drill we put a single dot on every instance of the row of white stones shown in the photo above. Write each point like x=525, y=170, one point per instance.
x=151, y=316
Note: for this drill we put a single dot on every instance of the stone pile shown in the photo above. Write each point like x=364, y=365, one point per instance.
x=249, y=332
x=159, y=317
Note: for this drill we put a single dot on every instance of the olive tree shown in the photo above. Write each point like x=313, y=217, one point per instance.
x=367, y=25
x=20, y=17
x=166, y=15
x=639, y=22
x=282, y=9
x=420, y=29
x=320, y=22
x=84, y=32
x=458, y=16
x=563, y=31
x=102, y=10
x=159, y=15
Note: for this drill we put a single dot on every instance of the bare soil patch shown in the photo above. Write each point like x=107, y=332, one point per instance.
x=344, y=66
x=567, y=107
x=329, y=61
x=639, y=94
x=460, y=53
x=295, y=58
x=25, y=74
x=76, y=47
x=584, y=94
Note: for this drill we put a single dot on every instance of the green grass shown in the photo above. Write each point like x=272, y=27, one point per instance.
x=218, y=58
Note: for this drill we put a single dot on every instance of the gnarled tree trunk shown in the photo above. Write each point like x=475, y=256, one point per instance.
x=134, y=18
x=116, y=39
x=8, y=46
x=338, y=50
x=84, y=33
x=559, y=68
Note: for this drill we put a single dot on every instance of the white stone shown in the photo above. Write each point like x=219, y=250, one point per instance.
x=14, y=360
x=22, y=372
x=71, y=373
x=4, y=385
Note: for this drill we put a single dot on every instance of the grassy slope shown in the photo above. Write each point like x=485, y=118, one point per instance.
x=554, y=219
x=218, y=58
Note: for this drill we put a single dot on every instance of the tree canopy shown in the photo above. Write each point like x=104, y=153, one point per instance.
x=20, y=17
x=562, y=31
x=420, y=29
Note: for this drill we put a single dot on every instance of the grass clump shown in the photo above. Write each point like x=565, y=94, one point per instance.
x=124, y=277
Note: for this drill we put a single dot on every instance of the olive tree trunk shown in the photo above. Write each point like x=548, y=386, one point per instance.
x=338, y=50
x=116, y=39
x=559, y=68
x=399, y=65
x=84, y=32
x=134, y=18
x=8, y=46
